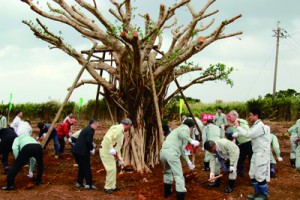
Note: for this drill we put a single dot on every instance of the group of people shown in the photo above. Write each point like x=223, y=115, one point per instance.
x=228, y=142
x=18, y=140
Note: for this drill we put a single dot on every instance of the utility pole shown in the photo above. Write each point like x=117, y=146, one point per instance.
x=279, y=33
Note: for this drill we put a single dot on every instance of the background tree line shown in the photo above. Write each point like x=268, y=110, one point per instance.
x=285, y=105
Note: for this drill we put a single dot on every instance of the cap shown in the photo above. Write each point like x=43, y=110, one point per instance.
x=189, y=122
x=126, y=121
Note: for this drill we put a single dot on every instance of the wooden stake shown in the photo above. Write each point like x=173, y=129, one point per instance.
x=160, y=137
x=68, y=95
x=188, y=107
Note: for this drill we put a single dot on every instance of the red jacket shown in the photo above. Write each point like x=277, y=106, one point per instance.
x=63, y=129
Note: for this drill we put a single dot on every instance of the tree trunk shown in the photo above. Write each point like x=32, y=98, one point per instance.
x=141, y=147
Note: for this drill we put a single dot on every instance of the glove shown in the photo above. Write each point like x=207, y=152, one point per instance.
x=231, y=169
x=279, y=159
x=70, y=140
x=195, y=143
x=30, y=174
x=120, y=162
x=235, y=135
x=92, y=151
x=37, y=138
x=113, y=152
x=296, y=139
x=203, y=148
x=191, y=165
x=211, y=175
x=44, y=135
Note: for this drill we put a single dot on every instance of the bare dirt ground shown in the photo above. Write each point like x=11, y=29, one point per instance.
x=60, y=176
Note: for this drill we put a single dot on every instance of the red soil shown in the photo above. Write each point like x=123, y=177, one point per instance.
x=60, y=176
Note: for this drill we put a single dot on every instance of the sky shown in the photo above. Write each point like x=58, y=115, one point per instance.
x=31, y=72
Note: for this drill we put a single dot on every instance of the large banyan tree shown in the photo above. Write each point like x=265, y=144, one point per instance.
x=142, y=71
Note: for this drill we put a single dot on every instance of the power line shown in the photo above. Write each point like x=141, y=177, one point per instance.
x=258, y=75
x=279, y=33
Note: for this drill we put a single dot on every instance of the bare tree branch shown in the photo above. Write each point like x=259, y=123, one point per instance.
x=187, y=70
x=82, y=82
x=198, y=80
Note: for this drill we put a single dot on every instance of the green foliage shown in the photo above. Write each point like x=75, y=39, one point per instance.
x=284, y=93
x=285, y=105
x=220, y=72
x=101, y=113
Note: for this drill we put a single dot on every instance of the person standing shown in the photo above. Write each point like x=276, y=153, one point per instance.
x=296, y=138
x=16, y=121
x=110, y=151
x=44, y=127
x=244, y=143
x=220, y=120
x=221, y=151
x=275, y=146
x=81, y=152
x=260, y=161
x=3, y=121
x=172, y=149
x=7, y=137
x=63, y=131
x=25, y=147
x=210, y=132
x=293, y=135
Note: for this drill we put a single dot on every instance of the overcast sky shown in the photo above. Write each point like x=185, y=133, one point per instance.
x=34, y=73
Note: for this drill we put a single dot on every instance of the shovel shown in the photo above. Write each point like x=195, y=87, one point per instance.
x=210, y=180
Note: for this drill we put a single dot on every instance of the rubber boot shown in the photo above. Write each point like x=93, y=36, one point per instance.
x=180, y=195
x=263, y=189
x=216, y=183
x=229, y=189
x=273, y=170
x=256, y=191
x=293, y=161
x=206, y=166
x=167, y=190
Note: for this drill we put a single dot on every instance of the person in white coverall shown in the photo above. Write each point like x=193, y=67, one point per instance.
x=172, y=149
x=220, y=151
x=220, y=120
x=209, y=132
x=260, y=161
x=3, y=121
x=293, y=140
x=296, y=138
x=110, y=152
